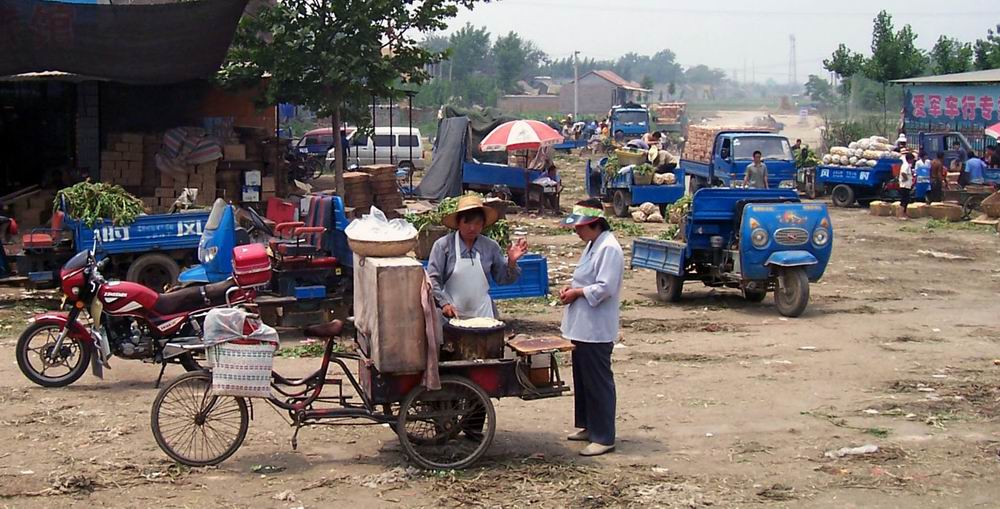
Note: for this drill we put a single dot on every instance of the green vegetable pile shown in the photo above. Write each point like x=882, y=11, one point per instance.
x=93, y=202
x=499, y=231
x=675, y=216
x=643, y=169
x=612, y=166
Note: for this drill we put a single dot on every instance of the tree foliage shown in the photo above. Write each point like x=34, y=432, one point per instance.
x=987, y=51
x=661, y=67
x=513, y=57
x=950, y=56
x=819, y=90
x=333, y=57
x=704, y=75
x=845, y=64
x=894, y=53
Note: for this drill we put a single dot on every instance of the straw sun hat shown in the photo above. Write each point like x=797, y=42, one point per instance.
x=470, y=202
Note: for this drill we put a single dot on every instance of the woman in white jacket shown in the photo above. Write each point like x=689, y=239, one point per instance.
x=591, y=322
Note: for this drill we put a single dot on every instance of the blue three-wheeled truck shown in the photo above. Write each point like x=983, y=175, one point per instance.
x=757, y=240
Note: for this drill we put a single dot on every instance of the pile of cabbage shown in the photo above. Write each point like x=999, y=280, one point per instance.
x=863, y=153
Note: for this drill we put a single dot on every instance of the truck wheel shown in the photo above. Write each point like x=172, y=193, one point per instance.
x=697, y=183
x=154, y=270
x=669, y=287
x=842, y=196
x=754, y=295
x=792, y=294
x=621, y=200
x=619, y=136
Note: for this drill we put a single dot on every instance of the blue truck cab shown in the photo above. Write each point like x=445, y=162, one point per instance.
x=628, y=121
x=756, y=240
x=733, y=151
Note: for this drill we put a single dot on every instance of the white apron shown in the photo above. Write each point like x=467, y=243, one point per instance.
x=467, y=287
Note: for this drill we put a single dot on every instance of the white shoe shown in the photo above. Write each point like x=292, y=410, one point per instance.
x=594, y=449
x=580, y=436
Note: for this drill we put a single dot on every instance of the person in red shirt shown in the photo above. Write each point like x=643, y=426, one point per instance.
x=939, y=178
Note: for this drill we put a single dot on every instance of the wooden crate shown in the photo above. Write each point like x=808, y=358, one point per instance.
x=388, y=313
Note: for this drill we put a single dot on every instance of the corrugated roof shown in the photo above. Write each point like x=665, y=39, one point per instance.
x=990, y=76
x=618, y=81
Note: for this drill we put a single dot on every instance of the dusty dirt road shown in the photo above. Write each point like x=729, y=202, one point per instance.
x=722, y=403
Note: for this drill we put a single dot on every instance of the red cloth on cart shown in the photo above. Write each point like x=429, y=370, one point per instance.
x=431, y=378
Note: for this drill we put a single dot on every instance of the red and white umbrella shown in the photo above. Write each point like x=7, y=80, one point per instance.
x=994, y=131
x=519, y=135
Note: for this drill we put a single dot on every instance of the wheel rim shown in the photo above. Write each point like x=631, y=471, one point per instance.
x=38, y=350
x=665, y=283
x=788, y=290
x=197, y=426
x=448, y=428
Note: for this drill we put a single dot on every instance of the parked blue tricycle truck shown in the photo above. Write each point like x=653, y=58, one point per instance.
x=732, y=151
x=622, y=191
x=756, y=240
x=847, y=185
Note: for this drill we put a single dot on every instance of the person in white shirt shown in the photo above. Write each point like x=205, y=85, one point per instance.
x=591, y=322
x=905, y=183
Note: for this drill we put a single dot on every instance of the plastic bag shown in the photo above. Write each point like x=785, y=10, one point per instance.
x=226, y=324
x=374, y=227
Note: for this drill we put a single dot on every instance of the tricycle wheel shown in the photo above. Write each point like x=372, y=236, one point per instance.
x=620, y=200
x=450, y=428
x=195, y=427
x=792, y=294
x=971, y=204
x=669, y=287
x=842, y=196
x=754, y=295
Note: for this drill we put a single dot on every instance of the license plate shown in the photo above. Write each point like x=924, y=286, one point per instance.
x=339, y=271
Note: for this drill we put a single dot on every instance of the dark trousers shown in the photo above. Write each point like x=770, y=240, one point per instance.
x=904, y=198
x=594, y=391
x=937, y=193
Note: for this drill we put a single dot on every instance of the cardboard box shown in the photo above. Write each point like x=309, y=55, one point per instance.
x=110, y=155
x=132, y=156
x=121, y=147
x=130, y=138
x=234, y=152
x=267, y=185
x=164, y=192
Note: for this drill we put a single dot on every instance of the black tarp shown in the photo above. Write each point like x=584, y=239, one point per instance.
x=138, y=44
x=482, y=122
x=451, y=149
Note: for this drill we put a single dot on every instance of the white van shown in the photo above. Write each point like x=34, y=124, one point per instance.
x=386, y=146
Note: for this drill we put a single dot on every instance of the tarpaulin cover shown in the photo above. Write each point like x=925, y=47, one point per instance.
x=139, y=44
x=482, y=121
x=451, y=149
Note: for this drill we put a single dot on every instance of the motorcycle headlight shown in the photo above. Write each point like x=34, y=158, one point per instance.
x=759, y=238
x=821, y=237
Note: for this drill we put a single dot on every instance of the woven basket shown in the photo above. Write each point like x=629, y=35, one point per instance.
x=242, y=370
x=626, y=157
x=380, y=249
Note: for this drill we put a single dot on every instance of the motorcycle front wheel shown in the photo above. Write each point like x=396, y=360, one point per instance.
x=44, y=366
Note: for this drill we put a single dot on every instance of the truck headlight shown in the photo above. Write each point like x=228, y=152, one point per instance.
x=208, y=254
x=821, y=236
x=759, y=238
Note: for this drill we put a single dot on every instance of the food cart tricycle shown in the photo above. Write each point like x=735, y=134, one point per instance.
x=449, y=428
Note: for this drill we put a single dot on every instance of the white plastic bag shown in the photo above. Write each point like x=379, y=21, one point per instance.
x=374, y=227
x=226, y=324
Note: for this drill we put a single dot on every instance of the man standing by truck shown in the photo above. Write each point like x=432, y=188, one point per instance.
x=756, y=173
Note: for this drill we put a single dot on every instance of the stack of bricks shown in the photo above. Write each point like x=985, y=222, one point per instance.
x=122, y=161
x=384, y=188
x=201, y=177
x=357, y=193
x=33, y=210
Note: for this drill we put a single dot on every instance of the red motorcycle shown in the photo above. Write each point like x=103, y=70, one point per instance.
x=128, y=320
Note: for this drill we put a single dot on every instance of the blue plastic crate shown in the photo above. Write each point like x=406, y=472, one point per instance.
x=534, y=280
x=310, y=292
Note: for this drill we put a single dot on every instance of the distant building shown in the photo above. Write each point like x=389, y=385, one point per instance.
x=599, y=91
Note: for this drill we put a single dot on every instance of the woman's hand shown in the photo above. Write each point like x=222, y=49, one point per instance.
x=449, y=311
x=516, y=250
x=568, y=295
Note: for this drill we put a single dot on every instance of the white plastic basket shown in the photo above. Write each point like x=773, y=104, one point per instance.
x=242, y=370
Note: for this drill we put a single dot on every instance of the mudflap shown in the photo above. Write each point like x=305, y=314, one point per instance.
x=96, y=367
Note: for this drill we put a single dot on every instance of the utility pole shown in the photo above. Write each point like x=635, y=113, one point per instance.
x=792, y=70
x=576, y=86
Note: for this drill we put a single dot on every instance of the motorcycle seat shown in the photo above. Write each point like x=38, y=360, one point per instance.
x=325, y=330
x=193, y=298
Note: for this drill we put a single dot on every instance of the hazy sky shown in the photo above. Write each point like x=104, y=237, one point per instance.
x=726, y=33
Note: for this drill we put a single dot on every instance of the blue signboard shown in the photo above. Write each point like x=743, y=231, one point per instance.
x=950, y=104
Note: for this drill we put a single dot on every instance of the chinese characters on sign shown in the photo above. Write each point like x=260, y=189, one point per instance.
x=948, y=104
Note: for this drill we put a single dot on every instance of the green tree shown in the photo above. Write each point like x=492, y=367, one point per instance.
x=845, y=64
x=470, y=49
x=950, y=56
x=819, y=90
x=894, y=55
x=333, y=57
x=704, y=75
x=987, y=51
x=514, y=57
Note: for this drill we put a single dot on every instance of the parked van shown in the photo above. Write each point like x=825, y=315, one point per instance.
x=318, y=141
x=386, y=146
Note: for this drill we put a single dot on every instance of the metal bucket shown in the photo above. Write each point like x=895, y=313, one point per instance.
x=462, y=343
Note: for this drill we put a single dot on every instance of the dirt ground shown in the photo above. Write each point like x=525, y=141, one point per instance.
x=721, y=403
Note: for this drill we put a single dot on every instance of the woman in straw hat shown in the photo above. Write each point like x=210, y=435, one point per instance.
x=591, y=323
x=460, y=262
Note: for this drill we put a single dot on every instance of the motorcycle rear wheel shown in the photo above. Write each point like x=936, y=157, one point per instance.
x=43, y=336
